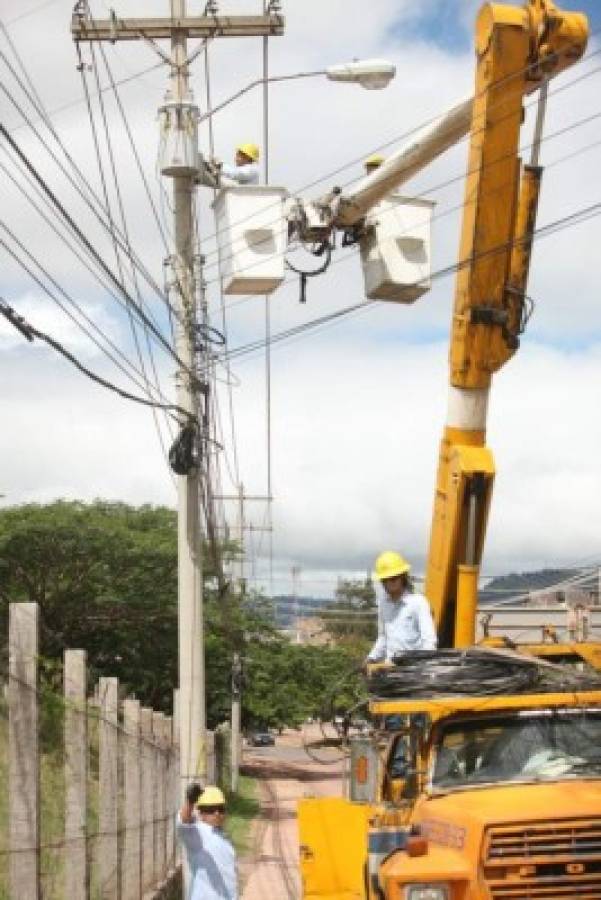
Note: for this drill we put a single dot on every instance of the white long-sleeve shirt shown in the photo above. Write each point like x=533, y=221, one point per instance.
x=212, y=861
x=247, y=174
x=404, y=624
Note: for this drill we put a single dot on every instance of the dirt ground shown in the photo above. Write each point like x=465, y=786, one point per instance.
x=285, y=774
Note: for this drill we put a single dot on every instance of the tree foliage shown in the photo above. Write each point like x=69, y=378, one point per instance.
x=105, y=578
x=351, y=617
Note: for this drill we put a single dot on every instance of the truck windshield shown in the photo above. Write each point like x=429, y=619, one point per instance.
x=524, y=747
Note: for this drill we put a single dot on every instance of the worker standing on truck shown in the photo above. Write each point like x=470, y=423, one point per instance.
x=211, y=856
x=404, y=616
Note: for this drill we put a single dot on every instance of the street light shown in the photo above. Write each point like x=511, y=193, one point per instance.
x=371, y=74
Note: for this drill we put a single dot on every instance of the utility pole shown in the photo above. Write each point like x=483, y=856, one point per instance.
x=179, y=117
x=239, y=574
x=235, y=733
x=191, y=629
x=239, y=567
x=295, y=572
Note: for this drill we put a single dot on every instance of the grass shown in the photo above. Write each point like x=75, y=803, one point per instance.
x=243, y=808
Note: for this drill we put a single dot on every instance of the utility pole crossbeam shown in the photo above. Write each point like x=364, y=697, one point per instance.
x=84, y=29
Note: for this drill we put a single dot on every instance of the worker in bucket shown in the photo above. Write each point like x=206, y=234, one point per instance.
x=246, y=170
x=210, y=854
x=404, y=617
x=214, y=173
x=372, y=163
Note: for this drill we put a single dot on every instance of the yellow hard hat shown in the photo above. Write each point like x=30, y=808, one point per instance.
x=211, y=796
x=390, y=564
x=250, y=150
x=373, y=161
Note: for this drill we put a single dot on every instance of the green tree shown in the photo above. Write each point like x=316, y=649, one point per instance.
x=105, y=578
x=351, y=616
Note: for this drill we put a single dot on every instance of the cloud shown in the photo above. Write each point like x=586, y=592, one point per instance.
x=40, y=313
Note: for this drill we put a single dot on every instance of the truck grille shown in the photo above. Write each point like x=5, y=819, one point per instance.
x=543, y=860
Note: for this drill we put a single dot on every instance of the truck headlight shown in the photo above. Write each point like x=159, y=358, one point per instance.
x=427, y=892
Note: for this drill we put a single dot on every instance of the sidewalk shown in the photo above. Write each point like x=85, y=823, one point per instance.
x=272, y=873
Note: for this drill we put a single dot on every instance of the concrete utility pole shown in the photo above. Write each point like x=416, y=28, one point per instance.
x=191, y=631
x=295, y=572
x=179, y=118
x=236, y=703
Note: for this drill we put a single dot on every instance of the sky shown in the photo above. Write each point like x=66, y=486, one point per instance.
x=357, y=407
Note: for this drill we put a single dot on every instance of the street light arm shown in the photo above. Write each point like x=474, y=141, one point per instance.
x=254, y=84
x=371, y=73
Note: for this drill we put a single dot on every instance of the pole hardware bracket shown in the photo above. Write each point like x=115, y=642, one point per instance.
x=488, y=315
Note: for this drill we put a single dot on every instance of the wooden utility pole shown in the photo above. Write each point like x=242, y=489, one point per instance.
x=179, y=121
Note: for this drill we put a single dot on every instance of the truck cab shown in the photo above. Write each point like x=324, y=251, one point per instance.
x=489, y=798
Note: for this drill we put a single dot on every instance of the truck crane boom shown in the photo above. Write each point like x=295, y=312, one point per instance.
x=517, y=51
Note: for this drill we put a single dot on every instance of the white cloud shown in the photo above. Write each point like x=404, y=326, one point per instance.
x=40, y=313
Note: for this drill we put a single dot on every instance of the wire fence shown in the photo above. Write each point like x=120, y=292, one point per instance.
x=92, y=782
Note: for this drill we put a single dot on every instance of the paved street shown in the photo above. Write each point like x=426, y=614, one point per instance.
x=285, y=773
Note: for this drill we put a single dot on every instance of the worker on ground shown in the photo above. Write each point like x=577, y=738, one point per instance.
x=211, y=856
x=373, y=162
x=404, y=616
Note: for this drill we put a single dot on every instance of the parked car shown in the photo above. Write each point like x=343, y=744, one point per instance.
x=261, y=739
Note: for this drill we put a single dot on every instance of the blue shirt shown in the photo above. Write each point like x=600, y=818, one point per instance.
x=212, y=861
x=404, y=624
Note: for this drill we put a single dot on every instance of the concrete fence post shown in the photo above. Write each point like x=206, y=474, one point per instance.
x=176, y=785
x=147, y=792
x=169, y=798
x=108, y=745
x=131, y=881
x=24, y=763
x=158, y=730
x=76, y=774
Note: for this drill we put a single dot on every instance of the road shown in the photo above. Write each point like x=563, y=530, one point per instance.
x=286, y=774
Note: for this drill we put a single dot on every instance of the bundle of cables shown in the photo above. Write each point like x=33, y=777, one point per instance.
x=474, y=672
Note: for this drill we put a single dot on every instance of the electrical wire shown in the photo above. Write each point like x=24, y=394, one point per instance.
x=577, y=217
x=125, y=232
x=587, y=120
x=411, y=133
x=29, y=332
x=268, y=441
x=72, y=302
x=84, y=240
x=474, y=671
x=92, y=201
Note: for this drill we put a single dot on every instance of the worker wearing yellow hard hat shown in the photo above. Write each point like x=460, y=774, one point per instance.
x=246, y=170
x=404, y=616
x=373, y=162
x=210, y=854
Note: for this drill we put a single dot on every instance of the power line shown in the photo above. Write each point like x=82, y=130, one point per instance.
x=53, y=297
x=414, y=130
x=29, y=12
x=586, y=120
x=449, y=210
x=75, y=228
x=29, y=332
x=40, y=110
x=574, y=218
x=28, y=196
x=125, y=231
